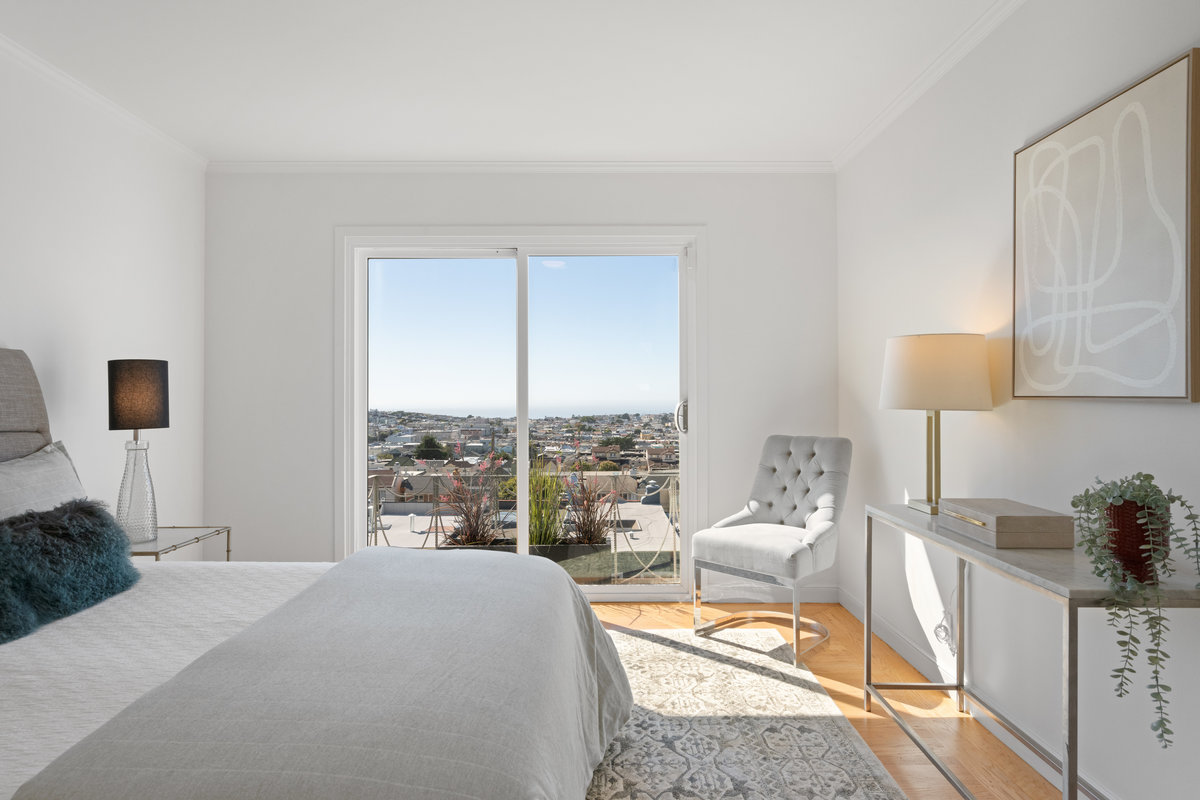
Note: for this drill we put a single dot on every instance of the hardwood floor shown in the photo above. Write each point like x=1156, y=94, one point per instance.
x=989, y=769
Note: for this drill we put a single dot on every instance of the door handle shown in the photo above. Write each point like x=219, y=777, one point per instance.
x=681, y=416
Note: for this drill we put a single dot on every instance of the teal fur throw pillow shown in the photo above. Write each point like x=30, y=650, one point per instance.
x=54, y=563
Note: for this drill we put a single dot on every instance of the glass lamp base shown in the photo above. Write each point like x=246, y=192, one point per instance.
x=136, y=513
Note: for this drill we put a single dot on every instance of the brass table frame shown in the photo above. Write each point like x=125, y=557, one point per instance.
x=1063, y=575
x=210, y=532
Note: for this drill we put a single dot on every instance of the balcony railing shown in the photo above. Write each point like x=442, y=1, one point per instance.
x=641, y=528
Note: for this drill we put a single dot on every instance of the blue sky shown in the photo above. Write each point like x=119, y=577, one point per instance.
x=603, y=335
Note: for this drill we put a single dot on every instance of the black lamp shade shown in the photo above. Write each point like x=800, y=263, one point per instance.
x=137, y=394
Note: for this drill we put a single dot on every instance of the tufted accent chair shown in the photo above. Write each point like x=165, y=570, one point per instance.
x=787, y=530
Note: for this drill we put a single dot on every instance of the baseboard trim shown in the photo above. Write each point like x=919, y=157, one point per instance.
x=927, y=666
x=911, y=652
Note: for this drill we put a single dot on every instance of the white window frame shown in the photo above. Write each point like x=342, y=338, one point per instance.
x=355, y=246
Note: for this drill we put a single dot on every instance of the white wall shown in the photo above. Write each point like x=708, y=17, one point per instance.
x=269, y=445
x=924, y=245
x=102, y=256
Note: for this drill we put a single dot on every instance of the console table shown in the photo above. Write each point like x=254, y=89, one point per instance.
x=1063, y=575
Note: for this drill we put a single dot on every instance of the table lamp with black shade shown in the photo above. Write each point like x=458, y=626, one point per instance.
x=137, y=400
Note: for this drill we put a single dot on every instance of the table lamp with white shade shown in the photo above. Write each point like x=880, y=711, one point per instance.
x=935, y=372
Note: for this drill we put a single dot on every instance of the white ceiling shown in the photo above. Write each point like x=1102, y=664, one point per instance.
x=506, y=80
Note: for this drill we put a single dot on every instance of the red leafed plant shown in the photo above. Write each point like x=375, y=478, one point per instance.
x=470, y=502
x=591, y=511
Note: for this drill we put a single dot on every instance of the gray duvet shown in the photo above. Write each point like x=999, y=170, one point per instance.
x=398, y=674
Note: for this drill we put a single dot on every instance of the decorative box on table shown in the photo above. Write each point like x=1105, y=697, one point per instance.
x=1003, y=523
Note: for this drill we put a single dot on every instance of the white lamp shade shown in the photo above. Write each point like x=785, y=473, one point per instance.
x=936, y=371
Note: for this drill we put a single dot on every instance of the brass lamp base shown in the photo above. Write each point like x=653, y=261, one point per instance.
x=933, y=465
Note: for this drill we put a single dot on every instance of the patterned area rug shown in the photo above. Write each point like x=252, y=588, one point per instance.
x=730, y=718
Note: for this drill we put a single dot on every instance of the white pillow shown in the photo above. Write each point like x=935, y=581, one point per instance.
x=38, y=482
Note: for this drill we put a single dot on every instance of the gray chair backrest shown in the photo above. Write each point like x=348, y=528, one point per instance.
x=24, y=424
x=801, y=481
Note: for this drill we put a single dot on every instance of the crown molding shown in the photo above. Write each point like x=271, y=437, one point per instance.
x=523, y=167
x=56, y=76
x=967, y=41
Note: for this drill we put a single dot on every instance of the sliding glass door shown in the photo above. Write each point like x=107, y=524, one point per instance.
x=442, y=414
x=527, y=402
x=603, y=385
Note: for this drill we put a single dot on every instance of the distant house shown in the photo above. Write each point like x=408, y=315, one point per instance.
x=626, y=486
x=425, y=488
x=662, y=455
x=380, y=474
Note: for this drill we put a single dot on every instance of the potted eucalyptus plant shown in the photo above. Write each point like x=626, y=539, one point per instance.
x=1125, y=528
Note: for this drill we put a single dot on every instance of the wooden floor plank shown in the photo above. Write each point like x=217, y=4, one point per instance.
x=982, y=762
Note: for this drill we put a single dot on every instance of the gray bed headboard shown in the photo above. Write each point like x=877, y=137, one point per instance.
x=24, y=424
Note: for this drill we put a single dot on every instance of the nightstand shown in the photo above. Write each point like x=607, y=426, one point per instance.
x=171, y=538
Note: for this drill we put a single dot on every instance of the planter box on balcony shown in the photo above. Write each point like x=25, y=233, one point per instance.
x=585, y=563
x=498, y=545
x=563, y=552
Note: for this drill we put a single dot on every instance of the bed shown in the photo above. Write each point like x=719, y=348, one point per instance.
x=395, y=673
x=70, y=677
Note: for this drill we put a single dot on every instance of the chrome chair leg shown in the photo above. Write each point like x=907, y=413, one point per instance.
x=799, y=623
x=809, y=626
x=796, y=624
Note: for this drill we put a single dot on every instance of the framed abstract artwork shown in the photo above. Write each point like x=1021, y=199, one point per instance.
x=1106, y=267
